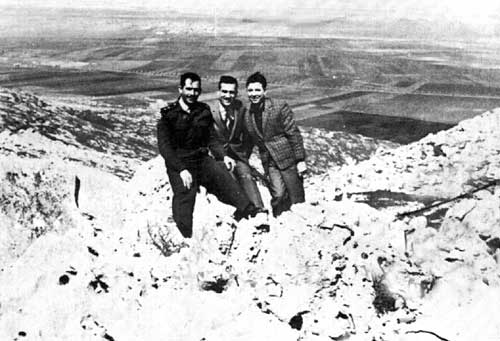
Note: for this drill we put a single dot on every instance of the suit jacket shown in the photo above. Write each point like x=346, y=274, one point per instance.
x=183, y=138
x=280, y=139
x=237, y=143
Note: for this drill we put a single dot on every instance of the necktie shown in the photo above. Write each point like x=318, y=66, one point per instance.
x=229, y=121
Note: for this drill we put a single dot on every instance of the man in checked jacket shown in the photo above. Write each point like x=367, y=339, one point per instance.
x=185, y=135
x=271, y=125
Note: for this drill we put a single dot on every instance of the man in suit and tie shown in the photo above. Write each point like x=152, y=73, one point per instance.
x=271, y=126
x=228, y=117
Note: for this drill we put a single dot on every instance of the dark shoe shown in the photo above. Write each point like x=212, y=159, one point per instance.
x=249, y=211
x=261, y=221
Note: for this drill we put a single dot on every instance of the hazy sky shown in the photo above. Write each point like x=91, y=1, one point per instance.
x=478, y=12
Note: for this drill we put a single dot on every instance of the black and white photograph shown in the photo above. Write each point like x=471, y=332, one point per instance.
x=227, y=170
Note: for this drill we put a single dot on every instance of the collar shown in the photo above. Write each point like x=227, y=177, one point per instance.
x=184, y=106
x=259, y=107
x=222, y=109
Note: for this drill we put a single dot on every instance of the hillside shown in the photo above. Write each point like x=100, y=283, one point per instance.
x=341, y=266
x=444, y=164
x=117, y=137
x=122, y=138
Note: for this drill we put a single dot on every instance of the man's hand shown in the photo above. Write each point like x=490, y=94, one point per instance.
x=187, y=179
x=301, y=168
x=229, y=162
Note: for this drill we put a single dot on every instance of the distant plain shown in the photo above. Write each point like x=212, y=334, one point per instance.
x=393, y=88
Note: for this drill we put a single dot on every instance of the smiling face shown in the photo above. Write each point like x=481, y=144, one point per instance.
x=190, y=91
x=255, y=92
x=227, y=93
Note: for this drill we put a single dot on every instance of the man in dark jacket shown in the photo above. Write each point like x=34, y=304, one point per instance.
x=229, y=123
x=185, y=135
x=271, y=125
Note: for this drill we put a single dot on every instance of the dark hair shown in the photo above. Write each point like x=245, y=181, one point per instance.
x=257, y=78
x=189, y=75
x=228, y=80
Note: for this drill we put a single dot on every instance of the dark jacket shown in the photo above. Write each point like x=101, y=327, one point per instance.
x=186, y=137
x=237, y=143
x=280, y=139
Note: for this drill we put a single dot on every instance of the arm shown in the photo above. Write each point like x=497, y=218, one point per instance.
x=246, y=139
x=165, y=145
x=247, y=143
x=292, y=132
x=215, y=143
x=216, y=146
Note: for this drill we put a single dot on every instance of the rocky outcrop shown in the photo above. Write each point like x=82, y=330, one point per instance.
x=444, y=164
x=330, y=149
x=44, y=194
x=30, y=145
x=29, y=205
x=326, y=270
x=119, y=136
x=337, y=267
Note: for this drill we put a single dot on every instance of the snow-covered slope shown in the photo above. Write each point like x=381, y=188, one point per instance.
x=117, y=136
x=331, y=269
x=444, y=164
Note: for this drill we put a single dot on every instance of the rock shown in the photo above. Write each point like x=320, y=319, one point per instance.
x=327, y=269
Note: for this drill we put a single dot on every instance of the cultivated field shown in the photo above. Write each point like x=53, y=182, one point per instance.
x=396, y=129
x=344, y=79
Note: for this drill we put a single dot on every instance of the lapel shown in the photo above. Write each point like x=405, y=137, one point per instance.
x=237, y=111
x=266, y=115
x=251, y=117
x=218, y=120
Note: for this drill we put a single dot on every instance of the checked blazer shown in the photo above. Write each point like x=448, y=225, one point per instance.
x=280, y=139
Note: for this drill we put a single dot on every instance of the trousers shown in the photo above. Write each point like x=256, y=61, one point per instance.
x=243, y=174
x=287, y=188
x=210, y=174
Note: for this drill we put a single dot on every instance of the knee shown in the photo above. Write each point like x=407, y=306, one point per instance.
x=242, y=167
x=184, y=194
x=245, y=176
x=216, y=169
x=278, y=191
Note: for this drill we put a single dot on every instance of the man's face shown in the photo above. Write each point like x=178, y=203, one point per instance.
x=227, y=93
x=190, y=91
x=255, y=92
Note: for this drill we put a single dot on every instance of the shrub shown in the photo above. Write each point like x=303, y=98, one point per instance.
x=32, y=202
x=164, y=241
